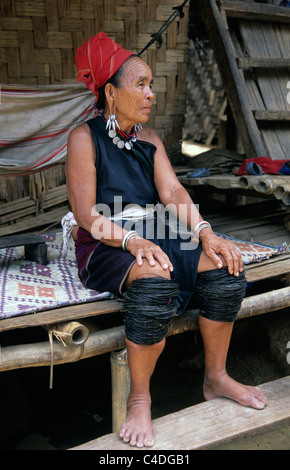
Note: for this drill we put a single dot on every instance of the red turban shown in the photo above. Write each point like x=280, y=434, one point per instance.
x=98, y=59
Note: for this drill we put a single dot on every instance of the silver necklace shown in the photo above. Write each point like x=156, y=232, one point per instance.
x=119, y=138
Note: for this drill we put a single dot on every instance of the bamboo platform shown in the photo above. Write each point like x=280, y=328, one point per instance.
x=209, y=424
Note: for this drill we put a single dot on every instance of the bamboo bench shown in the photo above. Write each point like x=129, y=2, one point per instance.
x=109, y=340
x=112, y=340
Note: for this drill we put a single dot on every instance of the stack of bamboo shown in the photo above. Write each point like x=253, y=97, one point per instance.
x=279, y=186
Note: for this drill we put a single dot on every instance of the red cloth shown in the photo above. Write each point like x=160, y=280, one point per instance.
x=268, y=166
x=98, y=59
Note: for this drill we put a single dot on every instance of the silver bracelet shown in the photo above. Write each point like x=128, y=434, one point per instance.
x=200, y=226
x=127, y=237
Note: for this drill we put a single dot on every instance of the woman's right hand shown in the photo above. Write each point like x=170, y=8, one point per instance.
x=142, y=248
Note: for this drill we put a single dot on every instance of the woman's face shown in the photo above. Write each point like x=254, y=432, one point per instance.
x=132, y=100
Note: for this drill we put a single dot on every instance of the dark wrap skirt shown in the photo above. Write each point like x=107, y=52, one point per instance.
x=104, y=268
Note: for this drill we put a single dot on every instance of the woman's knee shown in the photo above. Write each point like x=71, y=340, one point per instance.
x=219, y=294
x=145, y=271
x=206, y=264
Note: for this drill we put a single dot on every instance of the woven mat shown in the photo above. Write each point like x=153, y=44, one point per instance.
x=253, y=251
x=27, y=287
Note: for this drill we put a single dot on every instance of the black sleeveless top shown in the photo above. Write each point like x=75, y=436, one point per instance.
x=120, y=173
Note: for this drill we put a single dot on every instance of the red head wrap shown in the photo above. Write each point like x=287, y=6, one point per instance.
x=98, y=59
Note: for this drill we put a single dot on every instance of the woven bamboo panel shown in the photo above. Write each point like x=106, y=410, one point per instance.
x=38, y=42
x=39, y=38
x=206, y=100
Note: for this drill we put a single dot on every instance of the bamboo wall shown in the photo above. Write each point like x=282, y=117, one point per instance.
x=38, y=41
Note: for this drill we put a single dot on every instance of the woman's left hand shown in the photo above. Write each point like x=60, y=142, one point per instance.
x=213, y=246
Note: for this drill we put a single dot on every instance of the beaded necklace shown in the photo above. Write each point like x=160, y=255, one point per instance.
x=120, y=138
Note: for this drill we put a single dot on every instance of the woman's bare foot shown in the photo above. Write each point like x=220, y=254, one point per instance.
x=225, y=386
x=137, y=427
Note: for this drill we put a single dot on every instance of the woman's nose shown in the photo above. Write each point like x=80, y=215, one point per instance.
x=150, y=94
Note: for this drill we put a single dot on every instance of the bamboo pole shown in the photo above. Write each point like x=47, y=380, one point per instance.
x=120, y=387
x=101, y=342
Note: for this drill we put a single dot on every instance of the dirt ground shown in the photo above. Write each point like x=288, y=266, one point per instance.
x=78, y=408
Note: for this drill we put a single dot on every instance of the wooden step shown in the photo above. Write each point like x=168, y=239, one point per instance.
x=210, y=424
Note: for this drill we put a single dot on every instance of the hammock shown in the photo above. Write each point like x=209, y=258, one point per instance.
x=35, y=122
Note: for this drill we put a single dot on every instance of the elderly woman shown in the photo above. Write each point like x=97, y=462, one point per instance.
x=119, y=182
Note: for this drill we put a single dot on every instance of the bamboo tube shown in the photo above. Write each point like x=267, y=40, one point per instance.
x=70, y=333
x=101, y=342
x=286, y=198
x=267, y=184
x=120, y=387
x=264, y=185
x=246, y=181
x=279, y=191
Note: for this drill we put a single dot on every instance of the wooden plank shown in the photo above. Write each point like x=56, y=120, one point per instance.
x=53, y=216
x=251, y=10
x=209, y=424
x=71, y=312
x=272, y=115
x=255, y=62
x=257, y=273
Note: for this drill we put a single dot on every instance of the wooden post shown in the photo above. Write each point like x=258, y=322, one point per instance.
x=120, y=387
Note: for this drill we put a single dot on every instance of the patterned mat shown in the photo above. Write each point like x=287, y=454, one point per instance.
x=27, y=287
x=253, y=252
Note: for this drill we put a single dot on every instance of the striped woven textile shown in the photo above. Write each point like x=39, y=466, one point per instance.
x=35, y=122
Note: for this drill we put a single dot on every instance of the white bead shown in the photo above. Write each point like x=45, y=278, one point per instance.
x=112, y=133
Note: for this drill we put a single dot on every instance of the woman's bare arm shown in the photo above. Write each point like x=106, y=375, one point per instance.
x=175, y=197
x=82, y=186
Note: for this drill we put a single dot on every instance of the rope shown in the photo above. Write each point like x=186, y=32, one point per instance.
x=157, y=37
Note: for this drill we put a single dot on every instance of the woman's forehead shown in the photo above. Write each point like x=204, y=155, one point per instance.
x=134, y=69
